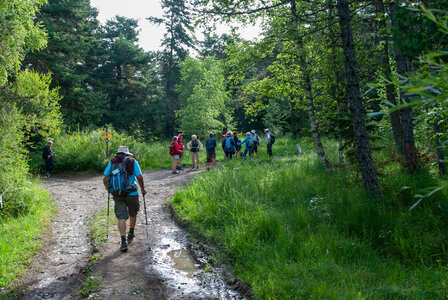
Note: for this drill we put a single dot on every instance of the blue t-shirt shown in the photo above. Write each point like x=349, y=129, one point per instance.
x=132, y=178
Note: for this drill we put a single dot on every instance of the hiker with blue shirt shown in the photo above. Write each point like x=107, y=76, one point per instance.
x=249, y=147
x=228, y=145
x=126, y=200
x=210, y=147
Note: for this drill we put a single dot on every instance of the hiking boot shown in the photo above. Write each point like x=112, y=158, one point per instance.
x=124, y=247
x=130, y=237
x=48, y=175
x=175, y=172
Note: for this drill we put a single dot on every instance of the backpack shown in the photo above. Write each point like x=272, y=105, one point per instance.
x=119, y=184
x=173, y=149
x=195, y=146
x=250, y=142
x=256, y=140
x=228, y=146
x=272, y=139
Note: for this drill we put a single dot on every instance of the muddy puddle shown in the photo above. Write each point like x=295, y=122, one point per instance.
x=183, y=277
x=166, y=271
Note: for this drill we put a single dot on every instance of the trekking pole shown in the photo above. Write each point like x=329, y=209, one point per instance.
x=108, y=199
x=146, y=221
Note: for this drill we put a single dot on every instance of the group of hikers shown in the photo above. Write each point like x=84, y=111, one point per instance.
x=231, y=146
x=123, y=174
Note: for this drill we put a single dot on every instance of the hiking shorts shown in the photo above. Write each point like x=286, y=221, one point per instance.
x=210, y=155
x=126, y=206
x=175, y=156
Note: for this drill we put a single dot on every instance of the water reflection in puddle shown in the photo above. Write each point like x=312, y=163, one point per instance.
x=183, y=261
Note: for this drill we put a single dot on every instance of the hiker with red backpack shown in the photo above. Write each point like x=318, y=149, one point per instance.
x=194, y=146
x=175, y=152
x=249, y=147
x=181, y=145
x=228, y=145
x=120, y=179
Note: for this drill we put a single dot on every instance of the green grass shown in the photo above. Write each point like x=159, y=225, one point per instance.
x=292, y=230
x=20, y=237
x=85, y=151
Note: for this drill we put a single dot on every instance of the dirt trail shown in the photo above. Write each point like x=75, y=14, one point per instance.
x=166, y=272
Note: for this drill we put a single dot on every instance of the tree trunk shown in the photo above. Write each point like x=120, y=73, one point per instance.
x=403, y=68
x=440, y=154
x=306, y=85
x=312, y=118
x=362, y=147
x=395, y=118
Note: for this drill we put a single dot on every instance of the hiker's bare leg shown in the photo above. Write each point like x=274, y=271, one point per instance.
x=122, y=227
x=132, y=221
x=174, y=164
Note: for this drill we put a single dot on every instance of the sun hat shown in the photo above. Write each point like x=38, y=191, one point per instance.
x=211, y=134
x=50, y=142
x=247, y=133
x=174, y=138
x=194, y=136
x=266, y=130
x=252, y=131
x=124, y=150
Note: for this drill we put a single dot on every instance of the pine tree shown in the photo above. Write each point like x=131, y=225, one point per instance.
x=176, y=42
x=72, y=40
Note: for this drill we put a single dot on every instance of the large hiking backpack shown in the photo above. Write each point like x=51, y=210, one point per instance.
x=173, y=149
x=228, y=146
x=119, y=184
x=272, y=139
x=250, y=142
x=210, y=144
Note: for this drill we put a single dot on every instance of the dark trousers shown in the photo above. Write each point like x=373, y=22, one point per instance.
x=229, y=155
x=269, y=150
x=49, y=164
x=251, y=152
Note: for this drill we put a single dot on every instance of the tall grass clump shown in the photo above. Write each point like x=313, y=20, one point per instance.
x=292, y=230
x=20, y=235
x=85, y=151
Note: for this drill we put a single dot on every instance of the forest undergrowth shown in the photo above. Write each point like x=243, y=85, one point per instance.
x=293, y=230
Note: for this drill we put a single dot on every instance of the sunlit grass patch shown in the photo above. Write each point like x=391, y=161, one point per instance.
x=20, y=237
x=293, y=230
